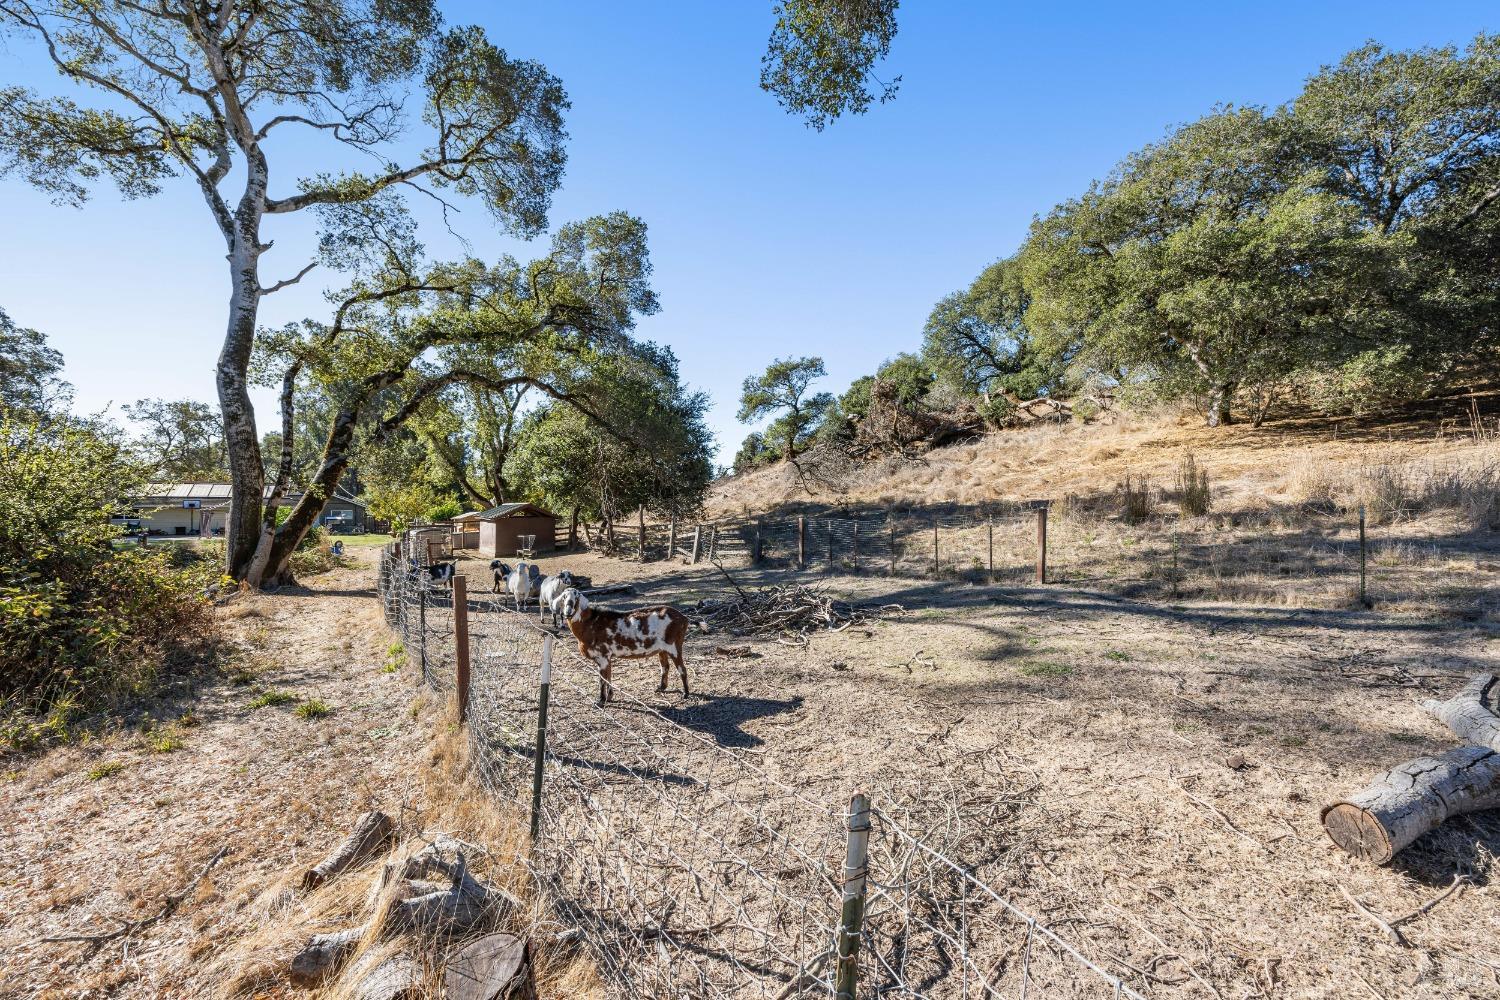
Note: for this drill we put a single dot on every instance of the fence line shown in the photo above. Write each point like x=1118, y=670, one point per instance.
x=693, y=870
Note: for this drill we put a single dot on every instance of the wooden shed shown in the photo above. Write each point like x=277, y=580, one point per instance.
x=501, y=529
x=466, y=530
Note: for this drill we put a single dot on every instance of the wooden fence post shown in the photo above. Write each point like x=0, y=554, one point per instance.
x=1041, y=544
x=642, y=532
x=827, y=523
x=991, y=525
x=855, y=545
x=852, y=913
x=1362, y=600
x=697, y=535
x=756, y=553
x=422, y=627
x=713, y=541
x=541, y=738
x=461, y=644
x=801, y=542
x=672, y=538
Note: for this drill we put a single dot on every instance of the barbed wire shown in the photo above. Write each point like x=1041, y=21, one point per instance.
x=696, y=872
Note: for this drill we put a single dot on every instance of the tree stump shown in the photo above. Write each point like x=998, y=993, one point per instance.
x=1471, y=713
x=497, y=967
x=1408, y=801
x=371, y=833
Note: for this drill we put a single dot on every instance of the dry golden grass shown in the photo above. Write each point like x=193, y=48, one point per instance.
x=451, y=803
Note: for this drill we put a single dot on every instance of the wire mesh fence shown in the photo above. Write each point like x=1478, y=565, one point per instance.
x=693, y=871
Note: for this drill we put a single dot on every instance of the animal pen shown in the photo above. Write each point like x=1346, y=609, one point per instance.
x=695, y=871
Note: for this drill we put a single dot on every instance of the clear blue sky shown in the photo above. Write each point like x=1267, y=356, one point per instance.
x=768, y=238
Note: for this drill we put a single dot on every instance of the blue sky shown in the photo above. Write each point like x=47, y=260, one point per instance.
x=768, y=238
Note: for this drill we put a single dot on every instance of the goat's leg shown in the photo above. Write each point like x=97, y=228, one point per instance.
x=681, y=669
x=604, y=692
x=666, y=667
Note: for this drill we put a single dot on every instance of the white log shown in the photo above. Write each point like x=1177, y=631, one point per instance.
x=1470, y=713
x=1408, y=801
x=371, y=833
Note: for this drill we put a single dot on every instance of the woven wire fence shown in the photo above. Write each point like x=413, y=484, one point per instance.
x=693, y=871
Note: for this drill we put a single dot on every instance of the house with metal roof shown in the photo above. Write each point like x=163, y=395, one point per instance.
x=202, y=508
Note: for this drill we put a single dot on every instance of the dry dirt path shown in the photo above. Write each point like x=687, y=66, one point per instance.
x=79, y=854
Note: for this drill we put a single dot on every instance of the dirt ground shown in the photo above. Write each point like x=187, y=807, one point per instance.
x=106, y=831
x=1169, y=762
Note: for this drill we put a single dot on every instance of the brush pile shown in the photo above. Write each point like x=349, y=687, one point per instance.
x=790, y=612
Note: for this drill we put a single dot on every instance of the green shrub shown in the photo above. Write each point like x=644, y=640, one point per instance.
x=272, y=698
x=81, y=620
x=314, y=708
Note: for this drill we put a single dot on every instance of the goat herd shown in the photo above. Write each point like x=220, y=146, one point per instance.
x=603, y=636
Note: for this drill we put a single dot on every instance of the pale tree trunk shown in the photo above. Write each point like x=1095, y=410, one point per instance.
x=1219, y=401
x=243, y=530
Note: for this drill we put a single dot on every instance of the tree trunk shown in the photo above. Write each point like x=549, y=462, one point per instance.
x=573, y=529
x=1408, y=801
x=397, y=978
x=1219, y=401
x=243, y=528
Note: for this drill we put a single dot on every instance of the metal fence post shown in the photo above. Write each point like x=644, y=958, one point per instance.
x=672, y=538
x=852, y=914
x=461, y=645
x=756, y=554
x=890, y=518
x=829, y=525
x=1362, y=599
x=854, y=541
x=1041, y=544
x=934, y=546
x=991, y=525
x=801, y=541
x=541, y=738
x=641, y=525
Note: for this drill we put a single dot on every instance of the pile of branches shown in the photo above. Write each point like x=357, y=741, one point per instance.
x=791, y=612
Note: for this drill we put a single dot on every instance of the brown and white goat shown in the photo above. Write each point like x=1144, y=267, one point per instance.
x=604, y=636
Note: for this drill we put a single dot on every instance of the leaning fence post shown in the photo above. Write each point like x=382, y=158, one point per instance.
x=852, y=914
x=713, y=541
x=1362, y=600
x=801, y=542
x=697, y=535
x=1041, y=543
x=461, y=644
x=541, y=738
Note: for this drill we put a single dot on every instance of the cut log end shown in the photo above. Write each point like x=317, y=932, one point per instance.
x=1358, y=832
x=496, y=967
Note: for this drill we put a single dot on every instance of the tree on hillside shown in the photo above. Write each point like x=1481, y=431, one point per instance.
x=1206, y=264
x=820, y=60
x=181, y=440
x=976, y=340
x=401, y=337
x=783, y=388
x=29, y=368
x=209, y=90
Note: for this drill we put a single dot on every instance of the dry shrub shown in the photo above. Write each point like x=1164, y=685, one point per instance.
x=1395, y=491
x=1193, y=497
x=1134, y=497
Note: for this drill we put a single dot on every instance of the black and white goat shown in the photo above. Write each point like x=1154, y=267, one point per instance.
x=438, y=572
x=501, y=571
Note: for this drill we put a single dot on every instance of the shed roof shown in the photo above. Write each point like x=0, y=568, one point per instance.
x=515, y=510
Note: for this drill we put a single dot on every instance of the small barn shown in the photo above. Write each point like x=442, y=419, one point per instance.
x=466, y=530
x=502, y=528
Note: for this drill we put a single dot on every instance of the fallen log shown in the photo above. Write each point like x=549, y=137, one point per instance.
x=397, y=978
x=371, y=833
x=497, y=967
x=1471, y=712
x=323, y=955
x=1408, y=801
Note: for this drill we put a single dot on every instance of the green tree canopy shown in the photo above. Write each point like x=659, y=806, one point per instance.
x=180, y=440
x=784, y=389
x=820, y=61
x=29, y=368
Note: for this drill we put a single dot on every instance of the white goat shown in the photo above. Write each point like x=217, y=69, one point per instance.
x=523, y=582
x=551, y=594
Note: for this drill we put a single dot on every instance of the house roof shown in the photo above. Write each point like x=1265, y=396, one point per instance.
x=515, y=510
x=221, y=491
x=471, y=515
